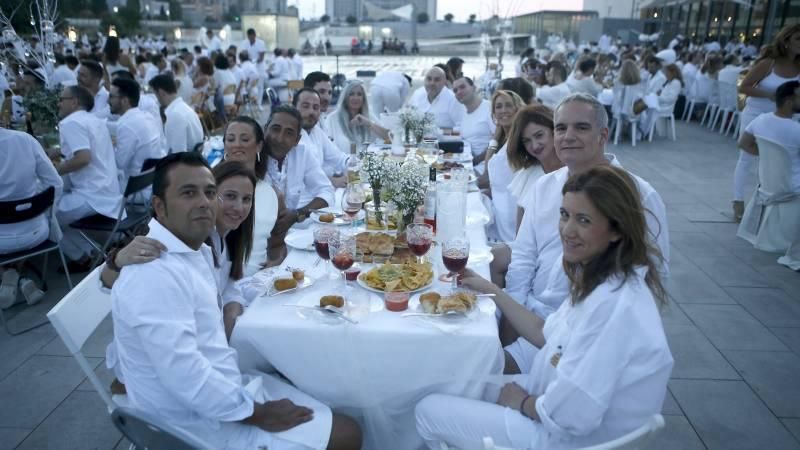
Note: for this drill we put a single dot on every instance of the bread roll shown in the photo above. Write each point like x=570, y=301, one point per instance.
x=332, y=300
x=327, y=217
x=429, y=302
x=283, y=284
x=451, y=303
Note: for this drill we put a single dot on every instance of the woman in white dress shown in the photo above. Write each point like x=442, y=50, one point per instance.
x=663, y=100
x=352, y=122
x=603, y=364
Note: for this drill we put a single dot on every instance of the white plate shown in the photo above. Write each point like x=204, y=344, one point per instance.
x=472, y=178
x=271, y=291
x=338, y=221
x=307, y=311
x=371, y=289
x=483, y=305
x=301, y=239
x=458, y=157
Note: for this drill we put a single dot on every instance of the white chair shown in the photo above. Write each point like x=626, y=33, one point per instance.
x=634, y=440
x=727, y=105
x=771, y=220
x=75, y=318
x=149, y=432
x=713, y=100
x=627, y=97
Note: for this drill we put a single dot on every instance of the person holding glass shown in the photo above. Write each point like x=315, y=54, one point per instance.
x=604, y=362
x=352, y=122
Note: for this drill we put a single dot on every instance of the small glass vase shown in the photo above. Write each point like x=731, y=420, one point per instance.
x=404, y=219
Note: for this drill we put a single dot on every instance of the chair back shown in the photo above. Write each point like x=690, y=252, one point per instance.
x=616, y=104
x=629, y=96
x=728, y=96
x=702, y=88
x=138, y=183
x=15, y=211
x=634, y=440
x=774, y=167
x=76, y=317
x=147, y=431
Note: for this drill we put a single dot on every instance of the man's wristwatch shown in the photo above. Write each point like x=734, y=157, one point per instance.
x=112, y=255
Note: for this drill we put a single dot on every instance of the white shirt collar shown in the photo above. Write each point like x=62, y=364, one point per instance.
x=166, y=237
x=174, y=104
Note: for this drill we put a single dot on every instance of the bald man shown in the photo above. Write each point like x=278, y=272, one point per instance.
x=439, y=100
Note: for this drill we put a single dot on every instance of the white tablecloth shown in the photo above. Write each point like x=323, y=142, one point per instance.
x=379, y=369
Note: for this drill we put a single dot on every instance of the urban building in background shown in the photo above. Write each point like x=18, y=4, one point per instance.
x=376, y=9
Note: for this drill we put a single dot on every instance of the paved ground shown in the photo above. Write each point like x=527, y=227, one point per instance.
x=733, y=327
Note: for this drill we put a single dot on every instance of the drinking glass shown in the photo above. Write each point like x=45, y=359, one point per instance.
x=419, y=237
x=352, y=201
x=322, y=239
x=342, y=251
x=455, y=253
x=430, y=150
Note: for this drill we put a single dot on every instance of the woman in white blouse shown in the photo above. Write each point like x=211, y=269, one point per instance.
x=182, y=79
x=352, y=122
x=603, y=364
x=663, y=101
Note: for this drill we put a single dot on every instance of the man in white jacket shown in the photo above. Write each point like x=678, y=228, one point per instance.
x=332, y=159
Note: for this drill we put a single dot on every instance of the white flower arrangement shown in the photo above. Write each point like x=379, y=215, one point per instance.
x=376, y=169
x=409, y=185
x=415, y=122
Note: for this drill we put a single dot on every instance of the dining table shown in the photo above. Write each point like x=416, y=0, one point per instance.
x=374, y=366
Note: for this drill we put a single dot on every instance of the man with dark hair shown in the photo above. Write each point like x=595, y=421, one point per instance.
x=213, y=43
x=477, y=126
x=388, y=91
x=657, y=78
x=191, y=379
x=279, y=74
x=138, y=135
x=321, y=82
x=62, y=74
x=293, y=169
x=89, y=168
x=255, y=48
x=330, y=157
x=157, y=66
x=182, y=128
x=454, y=66
x=90, y=76
x=556, y=89
x=582, y=80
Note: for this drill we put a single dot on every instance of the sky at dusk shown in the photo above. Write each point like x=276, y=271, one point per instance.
x=461, y=9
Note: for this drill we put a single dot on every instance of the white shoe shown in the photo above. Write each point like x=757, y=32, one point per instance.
x=8, y=290
x=30, y=291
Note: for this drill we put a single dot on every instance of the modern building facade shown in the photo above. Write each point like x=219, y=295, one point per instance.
x=721, y=20
x=622, y=9
x=341, y=9
x=542, y=24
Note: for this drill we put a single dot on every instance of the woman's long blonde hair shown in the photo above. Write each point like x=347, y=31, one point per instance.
x=500, y=134
x=778, y=48
x=629, y=73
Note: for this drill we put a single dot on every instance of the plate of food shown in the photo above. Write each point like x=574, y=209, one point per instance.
x=407, y=277
x=284, y=284
x=447, y=165
x=461, y=157
x=460, y=303
x=446, y=176
x=326, y=217
x=351, y=307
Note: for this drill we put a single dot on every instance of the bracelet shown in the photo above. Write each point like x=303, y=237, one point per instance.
x=522, y=405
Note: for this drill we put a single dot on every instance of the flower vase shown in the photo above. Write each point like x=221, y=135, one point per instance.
x=376, y=201
x=404, y=219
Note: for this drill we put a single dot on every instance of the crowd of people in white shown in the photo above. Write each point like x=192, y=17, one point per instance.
x=581, y=245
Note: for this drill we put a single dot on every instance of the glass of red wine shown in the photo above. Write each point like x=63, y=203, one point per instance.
x=342, y=251
x=419, y=237
x=352, y=201
x=322, y=239
x=455, y=253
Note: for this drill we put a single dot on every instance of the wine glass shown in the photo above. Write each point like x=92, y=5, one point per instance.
x=322, y=238
x=352, y=201
x=430, y=150
x=455, y=253
x=342, y=251
x=419, y=237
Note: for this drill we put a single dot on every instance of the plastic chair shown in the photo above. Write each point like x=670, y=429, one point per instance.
x=17, y=211
x=75, y=318
x=135, y=215
x=771, y=220
x=149, y=432
x=634, y=440
x=727, y=105
x=628, y=96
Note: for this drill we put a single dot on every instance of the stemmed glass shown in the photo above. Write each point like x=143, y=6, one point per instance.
x=322, y=238
x=430, y=150
x=342, y=251
x=419, y=237
x=352, y=201
x=455, y=253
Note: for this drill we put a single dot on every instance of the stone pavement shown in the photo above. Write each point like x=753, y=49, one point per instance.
x=733, y=327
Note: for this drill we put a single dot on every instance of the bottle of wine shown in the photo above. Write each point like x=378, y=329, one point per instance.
x=353, y=166
x=430, y=200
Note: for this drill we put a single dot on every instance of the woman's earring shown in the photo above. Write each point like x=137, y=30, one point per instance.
x=258, y=157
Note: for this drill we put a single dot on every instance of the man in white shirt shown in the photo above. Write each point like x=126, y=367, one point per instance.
x=437, y=99
x=296, y=64
x=213, y=42
x=535, y=277
x=250, y=76
x=321, y=82
x=138, y=133
x=90, y=76
x=388, y=91
x=779, y=127
x=90, y=169
x=157, y=67
x=477, y=126
x=582, y=80
x=182, y=127
x=173, y=355
x=557, y=88
x=255, y=48
x=730, y=72
x=279, y=73
x=657, y=77
x=332, y=160
x=293, y=169
x=62, y=75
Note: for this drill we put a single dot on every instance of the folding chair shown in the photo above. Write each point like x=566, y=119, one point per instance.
x=75, y=318
x=149, y=432
x=135, y=215
x=17, y=211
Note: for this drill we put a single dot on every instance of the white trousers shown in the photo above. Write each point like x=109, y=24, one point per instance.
x=383, y=99
x=746, y=163
x=464, y=423
x=71, y=208
x=523, y=353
